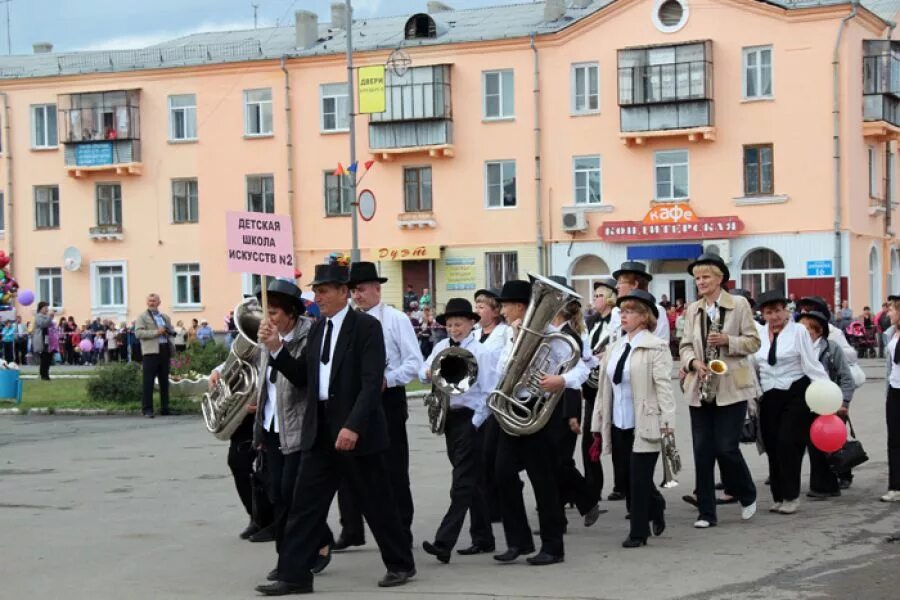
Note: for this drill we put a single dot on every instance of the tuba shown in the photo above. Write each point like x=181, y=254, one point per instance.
x=671, y=459
x=519, y=404
x=453, y=372
x=225, y=407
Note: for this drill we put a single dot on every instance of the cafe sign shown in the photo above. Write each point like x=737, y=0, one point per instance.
x=671, y=222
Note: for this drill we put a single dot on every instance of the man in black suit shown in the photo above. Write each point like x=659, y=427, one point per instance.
x=344, y=435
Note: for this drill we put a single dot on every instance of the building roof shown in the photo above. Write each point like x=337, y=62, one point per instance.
x=455, y=26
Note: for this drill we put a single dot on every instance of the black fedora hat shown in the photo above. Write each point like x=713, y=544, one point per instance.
x=491, y=292
x=607, y=282
x=641, y=296
x=893, y=298
x=818, y=316
x=516, y=290
x=745, y=294
x=771, y=297
x=331, y=273
x=362, y=272
x=283, y=288
x=708, y=258
x=457, y=307
x=635, y=268
x=815, y=303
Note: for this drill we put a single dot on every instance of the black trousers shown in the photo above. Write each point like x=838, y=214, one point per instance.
x=21, y=350
x=821, y=478
x=573, y=486
x=464, y=451
x=241, y=455
x=321, y=471
x=9, y=351
x=717, y=438
x=489, y=458
x=45, y=364
x=156, y=366
x=642, y=497
x=784, y=419
x=892, y=414
x=593, y=471
x=534, y=453
x=396, y=412
x=622, y=441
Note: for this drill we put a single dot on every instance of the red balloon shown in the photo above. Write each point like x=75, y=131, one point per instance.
x=828, y=433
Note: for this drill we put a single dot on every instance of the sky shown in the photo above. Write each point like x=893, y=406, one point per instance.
x=117, y=24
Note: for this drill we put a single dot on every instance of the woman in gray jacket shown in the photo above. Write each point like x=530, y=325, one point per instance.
x=40, y=344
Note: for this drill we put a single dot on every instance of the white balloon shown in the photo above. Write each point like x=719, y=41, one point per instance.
x=824, y=397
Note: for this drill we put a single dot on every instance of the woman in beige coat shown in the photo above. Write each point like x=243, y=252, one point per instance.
x=635, y=406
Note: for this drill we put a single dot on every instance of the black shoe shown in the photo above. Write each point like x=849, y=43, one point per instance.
x=342, y=544
x=592, y=515
x=720, y=486
x=544, y=558
x=283, y=588
x=768, y=481
x=249, y=530
x=442, y=554
x=395, y=578
x=273, y=575
x=845, y=483
x=658, y=526
x=616, y=496
x=512, y=554
x=822, y=495
x=475, y=549
x=690, y=499
x=634, y=542
x=728, y=500
x=322, y=561
x=263, y=535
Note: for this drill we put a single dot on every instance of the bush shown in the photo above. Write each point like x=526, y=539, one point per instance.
x=117, y=383
x=197, y=361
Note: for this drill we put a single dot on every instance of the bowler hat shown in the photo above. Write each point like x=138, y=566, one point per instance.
x=771, y=297
x=286, y=289
x=816, y=302
x=457, y=307
x=607, y=282
x=331, y=273
x=818, y=316
x=893, y=298
x=516, y=291
x=491, y=292
x=708, y=258
x=744, y=294
x=641, y=296
x=362, y=272
x=635, y=268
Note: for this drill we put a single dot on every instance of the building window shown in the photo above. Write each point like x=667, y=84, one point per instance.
x=335, y=107
x=672, y=175
x=873, y=172
x=109, y=285
x=43, y=126
x=187, y=284
x=585, y=88
x=46, y=207
x=49, y=286
x=183, y=117
x=417, y=189
x=184, y=201
x=109, y=204
x=250, y=283
x=763, y=271
x=759, y=170
x=875, y=298
x=500, y=183
x=587, y=271
x=894, y=273
x=500, y=267
x=338, y=195
x=261, y=193
x=258, y=112
x=670, y=15
x=499, y=96
x=758, y=72
x=587, y=179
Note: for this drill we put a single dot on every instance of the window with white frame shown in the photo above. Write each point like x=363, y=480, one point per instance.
x=500, y=183
x=873, y=171
x=250, y=283
x=672, y=175
x=875, y=297
x=187, y=284
x=183, y=117
x=49, y=286
x=335, y=107
x=585, y=88
x=261, y=193
x=417, y=189
x=763, y=271
x=109, y=204
x=500, y=267
x=758, y=72
x=587, y=179
x=43, y=126
x=338, y=195
x=109, y=285
x=184, y=201
x=46, y=207
x=498, y=94
x=258, y=112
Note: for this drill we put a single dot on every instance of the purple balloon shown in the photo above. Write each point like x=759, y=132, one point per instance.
x=86, y=346
x=26, y=297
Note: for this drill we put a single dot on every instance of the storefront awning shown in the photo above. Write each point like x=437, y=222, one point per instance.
x=665, y=252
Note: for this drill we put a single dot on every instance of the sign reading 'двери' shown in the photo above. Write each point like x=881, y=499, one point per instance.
x=260, y=243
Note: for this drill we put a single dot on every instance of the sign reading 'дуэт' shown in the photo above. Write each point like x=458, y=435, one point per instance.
x=260, y=243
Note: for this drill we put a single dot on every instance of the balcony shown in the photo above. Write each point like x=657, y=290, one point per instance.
x=418, y=116
x=881, y=90
x=666, y=91
x=106, y=233
x=101, y=132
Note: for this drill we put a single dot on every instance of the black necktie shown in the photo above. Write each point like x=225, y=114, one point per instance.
x=326, y=347
x=273, y=375
x=620, y=366
x=897, y=353
x=454, y=344
x=772, y=350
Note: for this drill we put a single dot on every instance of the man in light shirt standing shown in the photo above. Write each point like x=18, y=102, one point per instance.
x=154, y=329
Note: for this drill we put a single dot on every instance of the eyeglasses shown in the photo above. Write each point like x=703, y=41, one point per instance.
x=628, y=311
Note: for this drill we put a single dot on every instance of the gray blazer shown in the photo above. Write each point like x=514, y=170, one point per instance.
x=41, y=323
x=838, y=368
x=146, y=329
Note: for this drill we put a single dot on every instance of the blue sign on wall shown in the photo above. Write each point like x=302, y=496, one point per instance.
x=819, y=268
x=93, y=155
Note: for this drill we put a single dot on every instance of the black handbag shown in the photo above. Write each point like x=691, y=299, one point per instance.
x=750, y=430
x=851, y=455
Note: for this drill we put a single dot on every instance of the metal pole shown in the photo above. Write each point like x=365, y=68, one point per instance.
x=255, y=8
x=8, y=37
x=354, y=250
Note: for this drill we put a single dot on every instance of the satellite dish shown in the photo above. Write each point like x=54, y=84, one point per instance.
x=72, y=259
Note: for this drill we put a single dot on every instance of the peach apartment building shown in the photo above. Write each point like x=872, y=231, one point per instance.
x=562, y=137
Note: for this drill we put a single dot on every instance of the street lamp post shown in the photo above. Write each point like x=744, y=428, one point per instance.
x=354, y=250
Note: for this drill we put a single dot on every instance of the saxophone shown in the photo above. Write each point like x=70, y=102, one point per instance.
x=710, y=382
x=453, y=372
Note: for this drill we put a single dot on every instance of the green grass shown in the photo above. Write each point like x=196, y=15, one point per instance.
x=72, y=393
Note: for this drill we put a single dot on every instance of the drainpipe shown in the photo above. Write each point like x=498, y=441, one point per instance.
x=888, y=196
x=7, y=149
x=537, y=161
x=836, y=133
x=289, y=137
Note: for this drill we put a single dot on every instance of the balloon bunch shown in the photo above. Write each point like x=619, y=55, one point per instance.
x=9, y=287
x=828, y=432
x=338, y=258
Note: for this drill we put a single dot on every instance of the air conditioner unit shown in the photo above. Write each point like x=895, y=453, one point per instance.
x=720, y=247
x=573, y=219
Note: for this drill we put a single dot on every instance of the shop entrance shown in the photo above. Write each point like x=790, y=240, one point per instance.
x=670, y=278
x=419, y=274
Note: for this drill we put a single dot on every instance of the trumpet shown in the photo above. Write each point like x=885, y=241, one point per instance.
x=671, y=459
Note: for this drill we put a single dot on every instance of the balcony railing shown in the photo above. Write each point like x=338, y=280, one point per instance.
x=672, y=82
x=100, y=130
x=418, y=111
x=881, y=81
x=106, y=232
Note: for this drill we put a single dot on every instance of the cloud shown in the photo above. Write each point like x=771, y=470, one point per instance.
x=143, y=40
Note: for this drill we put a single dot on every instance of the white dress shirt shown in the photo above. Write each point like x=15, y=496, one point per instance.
x=493, y=347
x=401, y=347
x=894, y=377
x=559, y=352
x=795, y=357
x=837, y=336
x=325, y=370
x=270, y=415
x=623, y=398
x=476, y=397
x=661, y=331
